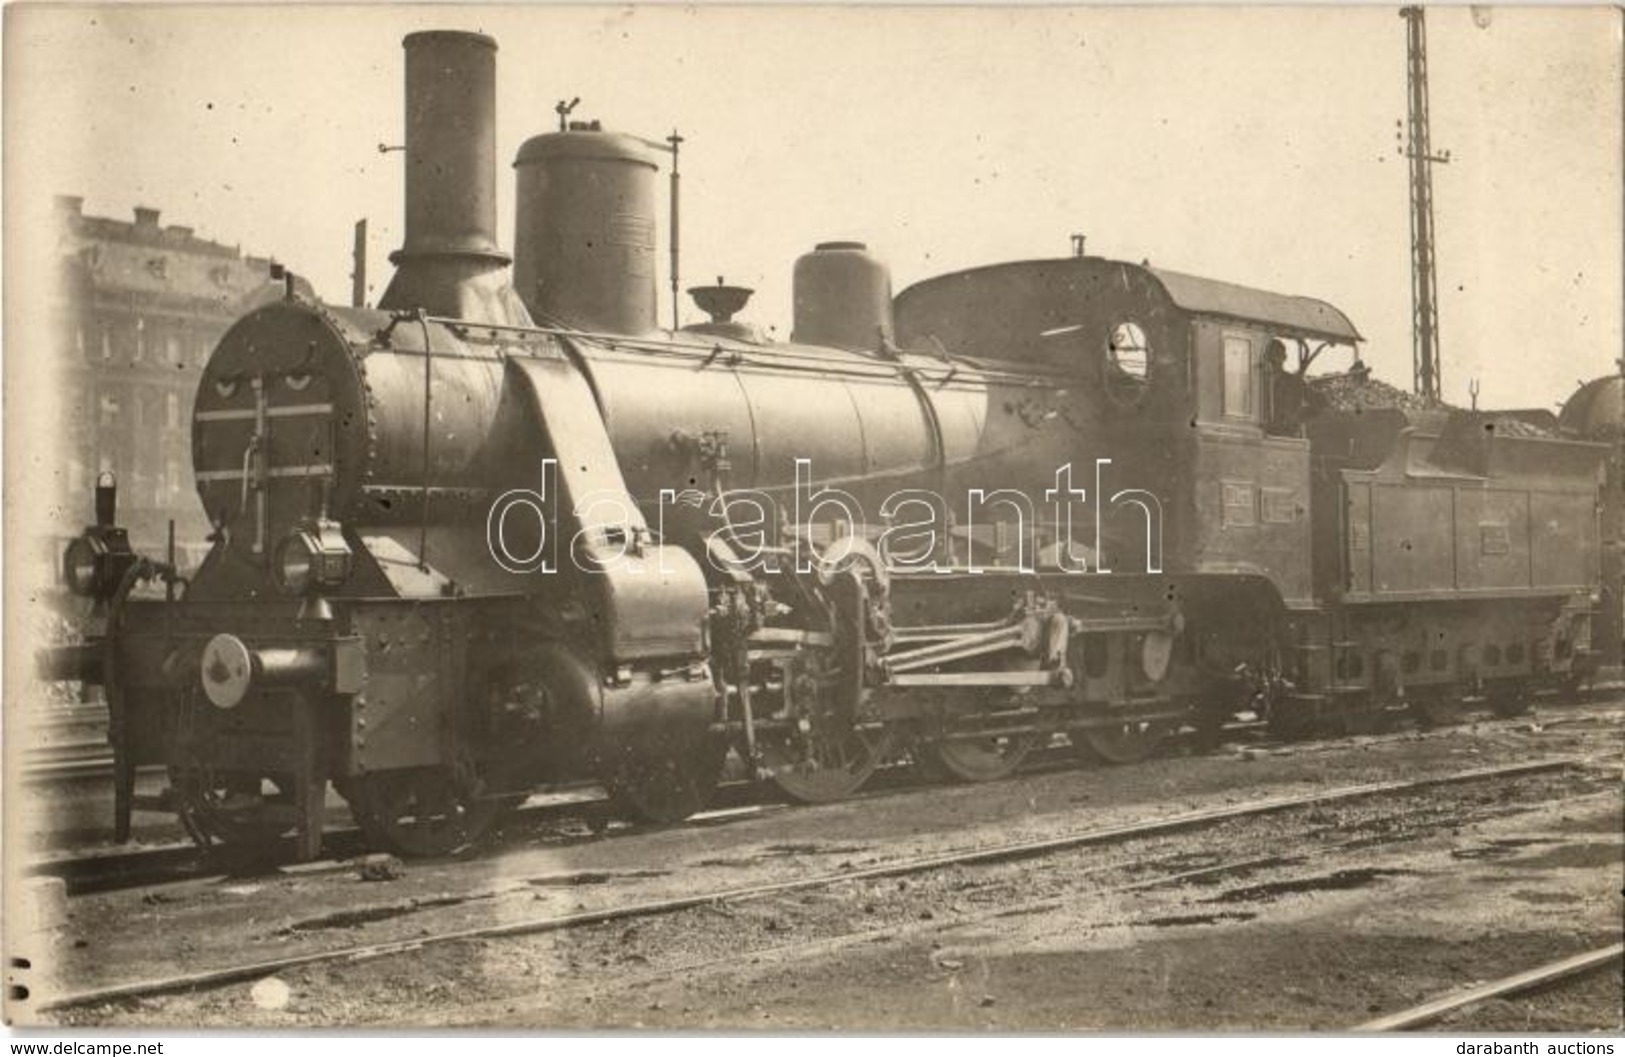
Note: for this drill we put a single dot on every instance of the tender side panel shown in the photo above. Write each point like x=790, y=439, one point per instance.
x=1564, y=538
x=1357, y=525
x=1431, y=540
x=1411, y=539
x=1491, y=540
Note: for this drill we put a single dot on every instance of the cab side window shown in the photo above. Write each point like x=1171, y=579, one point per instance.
x=1238, y=377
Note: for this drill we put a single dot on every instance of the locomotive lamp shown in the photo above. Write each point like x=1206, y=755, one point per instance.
x=310, y=560
x=95, y=563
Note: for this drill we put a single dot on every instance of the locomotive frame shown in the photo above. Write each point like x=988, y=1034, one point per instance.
x=352, y=625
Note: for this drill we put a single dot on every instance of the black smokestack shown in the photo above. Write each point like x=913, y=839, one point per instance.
x=449, y=257
x=451, y=144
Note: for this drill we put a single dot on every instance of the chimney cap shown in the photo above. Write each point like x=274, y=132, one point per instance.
x=74, y=204
x=446, y=36
x=146, y=217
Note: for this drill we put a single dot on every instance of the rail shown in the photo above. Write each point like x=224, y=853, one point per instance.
x=1528, y=980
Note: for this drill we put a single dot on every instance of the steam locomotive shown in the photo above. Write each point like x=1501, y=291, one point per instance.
x=496, y=533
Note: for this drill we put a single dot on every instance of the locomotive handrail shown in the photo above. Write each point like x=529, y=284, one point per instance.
x=706, y=350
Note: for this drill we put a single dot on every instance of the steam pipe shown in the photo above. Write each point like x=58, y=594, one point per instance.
x=676, y=142
x=358, y=273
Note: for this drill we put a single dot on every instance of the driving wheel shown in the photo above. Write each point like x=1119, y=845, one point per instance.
x=1128, y=741
x=818, y=769
x=978, y=759
x=665, y=787
x=231, y=810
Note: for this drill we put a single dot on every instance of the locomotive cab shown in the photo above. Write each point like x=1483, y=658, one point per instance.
x=1182, y=383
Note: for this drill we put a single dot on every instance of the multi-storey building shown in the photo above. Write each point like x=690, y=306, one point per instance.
x=139, y=309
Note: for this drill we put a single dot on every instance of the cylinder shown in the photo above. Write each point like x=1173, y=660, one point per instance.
x=584, y=233
x=842, y=297
x=450, y=145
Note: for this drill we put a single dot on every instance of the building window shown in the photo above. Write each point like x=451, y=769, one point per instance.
x=172, y=479
x=79, y=340
x=107, y=343
x=1238, y=378
x=140, y=340
x=172, y=411
x=124, y=342
x=109, y=410
x=172, y=348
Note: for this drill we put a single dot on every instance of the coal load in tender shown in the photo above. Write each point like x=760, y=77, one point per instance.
x=1358, y=391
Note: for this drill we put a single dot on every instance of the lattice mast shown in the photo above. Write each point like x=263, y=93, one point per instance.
x=1419, y=149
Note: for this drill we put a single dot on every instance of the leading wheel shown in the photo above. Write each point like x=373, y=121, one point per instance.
x=817, y=769
x=977, y=759
x=1129, y=741
x=669, y=786
x=232, y=810
x=420, y=812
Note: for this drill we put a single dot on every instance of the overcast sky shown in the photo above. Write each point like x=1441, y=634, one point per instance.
x=1251, y=145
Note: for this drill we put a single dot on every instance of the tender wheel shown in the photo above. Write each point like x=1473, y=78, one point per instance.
x=977, y=760
x=666, y=787
x=1127, y=742
x=232, y=811
x=818, y=769
x=419, y=812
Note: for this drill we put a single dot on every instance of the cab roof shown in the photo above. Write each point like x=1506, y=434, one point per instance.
x=1301, y=316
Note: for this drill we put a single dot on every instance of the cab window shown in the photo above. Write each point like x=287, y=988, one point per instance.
x=1238, y=377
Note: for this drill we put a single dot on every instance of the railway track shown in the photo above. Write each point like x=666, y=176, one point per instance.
x=70, y=744
x=174, y=862
x=1540, y=976
x=585, y=803
x=109, y=869
x=67, y=744
x=721, y=896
